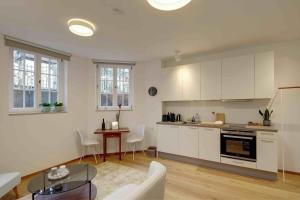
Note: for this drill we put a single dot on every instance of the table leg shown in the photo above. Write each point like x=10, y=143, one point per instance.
x=120, y=147
x=104, y=147
x=33, y=196
x=90, y=190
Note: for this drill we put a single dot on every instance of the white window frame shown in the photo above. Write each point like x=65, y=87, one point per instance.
x=37, y=82
x=114, y=107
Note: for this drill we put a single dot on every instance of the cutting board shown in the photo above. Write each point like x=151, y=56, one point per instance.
x=220, y=117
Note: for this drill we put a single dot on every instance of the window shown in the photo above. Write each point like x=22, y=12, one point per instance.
x=114, y=87
x=35, y=79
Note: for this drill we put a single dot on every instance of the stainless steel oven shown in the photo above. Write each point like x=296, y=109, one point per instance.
x=238, y=144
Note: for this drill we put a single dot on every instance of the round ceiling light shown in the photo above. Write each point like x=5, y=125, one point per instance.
x=81, y=27
x=168, y=5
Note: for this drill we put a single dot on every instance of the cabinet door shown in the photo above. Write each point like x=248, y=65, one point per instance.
x=211, y=80
x=209, y=144
x=167, y=139
x=188, y=141
x=264, y=75
x=267, y=156
x=171, y=84
x=238, y=77
x=190, y=82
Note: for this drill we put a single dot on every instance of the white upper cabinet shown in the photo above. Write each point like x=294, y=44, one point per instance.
x=171, y=84
x=190, y=75
x=238, y=77
x=211, y=80
x=264, y=75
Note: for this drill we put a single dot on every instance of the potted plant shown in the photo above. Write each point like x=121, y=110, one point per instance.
x=58, y=107
x=45, y=107
x=266, y=117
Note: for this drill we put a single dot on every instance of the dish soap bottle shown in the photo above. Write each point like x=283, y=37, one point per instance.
x=103, y=124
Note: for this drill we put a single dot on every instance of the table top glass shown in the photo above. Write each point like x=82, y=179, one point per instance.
x=80, y=174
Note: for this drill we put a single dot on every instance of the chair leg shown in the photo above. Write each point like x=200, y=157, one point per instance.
x=95, y=152
x=16, y=192
x=133, y=151
x=82, y=153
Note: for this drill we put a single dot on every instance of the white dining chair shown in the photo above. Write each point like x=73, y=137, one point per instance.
x=137, y=136
x=87, y=142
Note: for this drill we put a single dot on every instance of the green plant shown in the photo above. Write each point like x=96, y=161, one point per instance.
x=266, y=115
x=45, y=104
x=58, y=104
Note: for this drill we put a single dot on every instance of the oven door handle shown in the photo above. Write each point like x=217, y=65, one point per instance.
x=238, y=137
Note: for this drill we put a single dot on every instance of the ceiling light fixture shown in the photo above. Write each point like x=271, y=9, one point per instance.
x=168, y=5
x=81, y=27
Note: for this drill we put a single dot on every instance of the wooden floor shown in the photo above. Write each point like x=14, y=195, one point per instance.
x=189, y=182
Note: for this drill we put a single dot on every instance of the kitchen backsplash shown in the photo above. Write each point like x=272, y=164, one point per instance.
x=235, y=111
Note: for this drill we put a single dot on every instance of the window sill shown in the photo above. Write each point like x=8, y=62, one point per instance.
x=14, y=113
x=113, y=109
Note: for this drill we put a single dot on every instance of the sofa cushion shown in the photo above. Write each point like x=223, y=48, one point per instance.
x=8, y=181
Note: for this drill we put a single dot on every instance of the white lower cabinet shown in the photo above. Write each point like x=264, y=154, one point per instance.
x=188, y=141
x=209, y=144
x=167, y=139
x=267, y=155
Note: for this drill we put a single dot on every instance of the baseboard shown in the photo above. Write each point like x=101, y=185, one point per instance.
x=70, y=161
x=289, y=172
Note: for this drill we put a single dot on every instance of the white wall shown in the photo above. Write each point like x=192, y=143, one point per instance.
x=29, y=143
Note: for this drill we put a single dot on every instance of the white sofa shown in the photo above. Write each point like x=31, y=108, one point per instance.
x=9, y=181
x=153, y=188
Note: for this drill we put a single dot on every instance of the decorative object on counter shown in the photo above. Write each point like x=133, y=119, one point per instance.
x=197, y=117
x=152, y=91
x=193, y=119
x=172, y=117
x=178, y=118
x=45, y=107
x=165, y=118
x=58, y=107
x=266, y=116
x=220, y=117
x=103, y=124
x=58, y=173
x=115, y=125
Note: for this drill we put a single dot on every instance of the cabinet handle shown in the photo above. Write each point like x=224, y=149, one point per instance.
x=238, y=162
x=265, y=133
x=209, y=129
x=267, y=141
x=172, y=126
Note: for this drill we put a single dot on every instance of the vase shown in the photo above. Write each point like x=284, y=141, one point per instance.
x=45, y=109
x=267, y=122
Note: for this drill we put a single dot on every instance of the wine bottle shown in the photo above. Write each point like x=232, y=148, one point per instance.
x=103, y=124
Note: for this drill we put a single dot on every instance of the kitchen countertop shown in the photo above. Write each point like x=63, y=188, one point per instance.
x=255, y=128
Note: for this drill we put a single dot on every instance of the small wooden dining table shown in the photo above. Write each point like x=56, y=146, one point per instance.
x=112, y=133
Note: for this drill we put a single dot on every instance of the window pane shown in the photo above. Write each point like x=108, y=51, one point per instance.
x=54, y=67
x=126, y=101
x=44, y=81
x=45, y=96
x=29, y=99
x=110, y=100
x=120, y=99
x=29, y=80
x=53, y=82
x=18, y=79
x=18, y=98
x=45, y=66
x=53, y=98
x=103, y=99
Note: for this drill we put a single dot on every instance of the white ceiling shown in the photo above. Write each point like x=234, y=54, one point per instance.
x=133, y=30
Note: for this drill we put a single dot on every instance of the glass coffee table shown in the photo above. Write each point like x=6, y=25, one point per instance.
x=80, y=174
